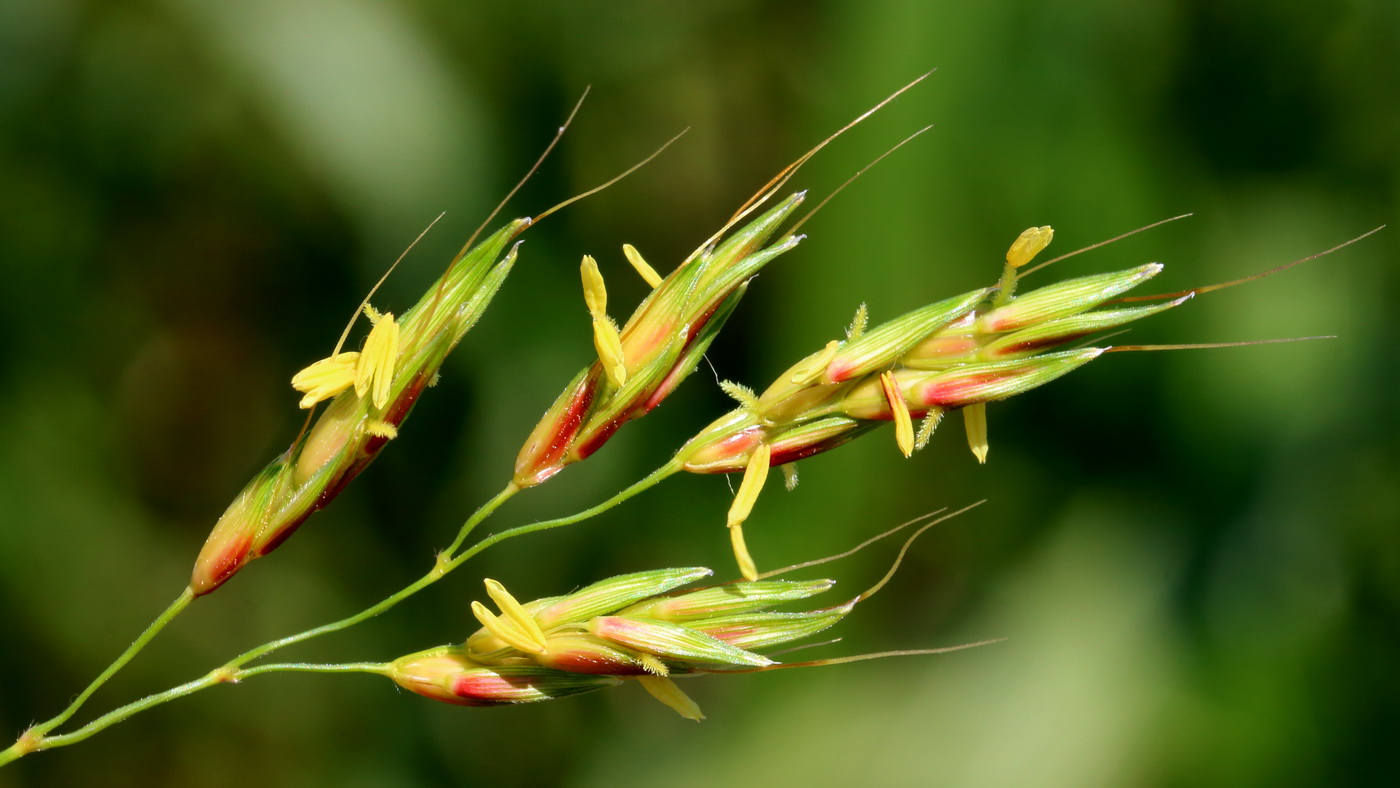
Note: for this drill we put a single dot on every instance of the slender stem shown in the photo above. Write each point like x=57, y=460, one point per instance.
x=379, y=668
x=33, y=743
x=656, y=477
x=144, y=638
x=34, y=739
x=480, y=514
x=447, y=562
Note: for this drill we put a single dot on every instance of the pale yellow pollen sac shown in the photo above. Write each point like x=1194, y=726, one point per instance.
x=506, y=630
x=606, y=339
x=1029, y=244
x=975, y=419
x=374, y=374
x=813, y=369
x=643, y=269
x=666, y=691
x=515, y=611
x=747, y=567
x=609, y=346
x=326, y=378
x=755, y=474
x=903, y=422
x=595, y=293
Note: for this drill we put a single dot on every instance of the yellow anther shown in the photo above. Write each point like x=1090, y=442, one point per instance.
x=1029, y=244
x=903, y=422
x=506, y=630
x=755, y=474
x=374, y=373
x=595, y=293
x=609, y=346
x=816, y=365
x=606, y=339
x=646, y=271
x=326, y=378
x=975, y=419
x=742, y=556
x=666, y=691
x=515, y=611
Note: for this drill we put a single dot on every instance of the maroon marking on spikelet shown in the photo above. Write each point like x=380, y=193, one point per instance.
x=490, y=689
x=736, y=447
x=545, y=464
x=1033, y=345
x=212, y=573
x=959, y=391
x=284, y=532
x=784, y=456
x=593, y=665
x=396, y=414
x=595, y=440
x=839, y=371
x=936, y=347
x=676, y=375
x=729, y=633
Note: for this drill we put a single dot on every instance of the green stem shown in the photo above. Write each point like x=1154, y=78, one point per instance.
x=656, y=477
x=447, y=562
x=31, y=742
x=480, y=514
x=34, y=739
x=144, y=638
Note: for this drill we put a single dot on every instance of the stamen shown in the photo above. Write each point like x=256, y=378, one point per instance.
x=374, y=374
x=326, y=378
x=1024, y=249
x=975, y=419
x=513, y=610
x=506, y=630
x=646, y=271
x=606, y=339
x=1029, y=244
x=755, y=474
x=609, y=346
x=666, y=691
x=595, y=292
x=903, y=423
x=747, y=568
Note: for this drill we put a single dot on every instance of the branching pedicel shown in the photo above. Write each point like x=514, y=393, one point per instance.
x=959, y=353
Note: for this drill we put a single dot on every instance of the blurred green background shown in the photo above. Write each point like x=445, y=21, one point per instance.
x=1194, y=555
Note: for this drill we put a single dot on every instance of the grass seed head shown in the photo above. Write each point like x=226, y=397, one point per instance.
x=371, y=393
x=962, y=352
x=660, y=345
